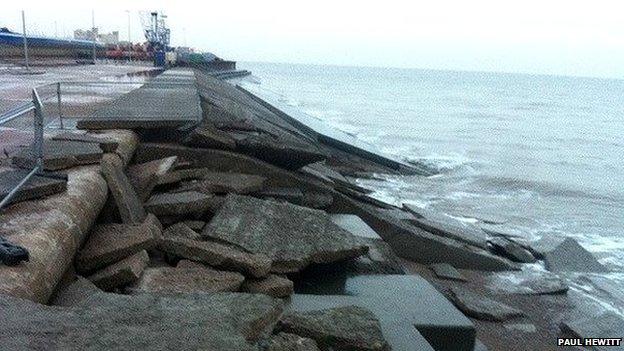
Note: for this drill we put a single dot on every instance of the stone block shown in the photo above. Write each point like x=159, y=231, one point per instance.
x=128, y=203
x=145, y=176
x=272, y=285
x=182, y=203
x=121, y=273
x=291, y=236
x=185, y=280
x=217, y=255
x=110, y=243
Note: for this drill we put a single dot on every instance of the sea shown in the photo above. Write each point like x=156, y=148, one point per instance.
x=538, y=154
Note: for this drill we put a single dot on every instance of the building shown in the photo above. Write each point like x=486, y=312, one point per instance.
x=111, y=38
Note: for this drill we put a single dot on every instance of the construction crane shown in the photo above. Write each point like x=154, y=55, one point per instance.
x=155, y=29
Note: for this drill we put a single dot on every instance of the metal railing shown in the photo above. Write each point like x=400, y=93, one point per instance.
x=35, y=105
x=40, y=96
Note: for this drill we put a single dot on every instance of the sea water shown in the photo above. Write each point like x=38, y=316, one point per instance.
x=543, y=154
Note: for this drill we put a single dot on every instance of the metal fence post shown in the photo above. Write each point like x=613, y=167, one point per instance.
x=38, y=143
x=60, y=109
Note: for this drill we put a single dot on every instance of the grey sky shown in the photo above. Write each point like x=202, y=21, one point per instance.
x=555, y=37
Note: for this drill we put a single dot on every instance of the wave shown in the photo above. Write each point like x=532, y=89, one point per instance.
x=437, y=164
x=541, y=187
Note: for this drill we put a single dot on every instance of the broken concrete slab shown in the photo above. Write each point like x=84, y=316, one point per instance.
x=218, y=255
x=342, y=328
x=128, y=203
x=605, y=325
x=145, y=176
x=481, y=307
x=569, y=256
x=380, y=259
x=446, y=271
x=38, y=186
x=321, y=171
x=440, y=224
x=415, y=244
x=412, y=313
x=106, y=144
x=272, y=285
x=223, y=182
x=119, y=322
x=60, y=154
x=181, y=230
x=207, y=136
x=289, y=154
x=185, y=280
x=110, y=243
x=182, y=203
x=511, y=250
x=224, y=161
x=121, y=273
x=75, y=292
x=355, y=225
x=267, y=227
x=291, y=342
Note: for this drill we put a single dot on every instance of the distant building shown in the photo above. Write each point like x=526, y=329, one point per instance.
x=85, y=34
x=111, y=38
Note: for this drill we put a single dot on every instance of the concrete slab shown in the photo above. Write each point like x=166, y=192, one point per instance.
x=292, y=236
x=157, y=104
x=128, y=203
x=355, y=225
x=183, y=203
x=145, y=176
x=185, y=280
x=121, y=273
x=324, y=133
x=107, y=145
x=109, y=243
x=569, y=256
x=441, y=224
x=413, y=243
x=412, y=313
x=36, y=187
x=60, y=154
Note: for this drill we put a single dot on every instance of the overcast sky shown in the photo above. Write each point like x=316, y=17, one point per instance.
x=566, y=37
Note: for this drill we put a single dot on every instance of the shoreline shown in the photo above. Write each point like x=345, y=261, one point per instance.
x=240, y=136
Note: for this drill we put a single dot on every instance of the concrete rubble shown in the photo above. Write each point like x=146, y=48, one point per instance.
x=480, y=307
x=267, y=227
x=569, y=256
x=341, y=328
x=226, y=214
x=121, y=273
x=182, y=203
x=185, y=280
x=272, y=285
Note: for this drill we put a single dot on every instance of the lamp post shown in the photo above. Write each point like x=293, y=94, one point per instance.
x=25, y=40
